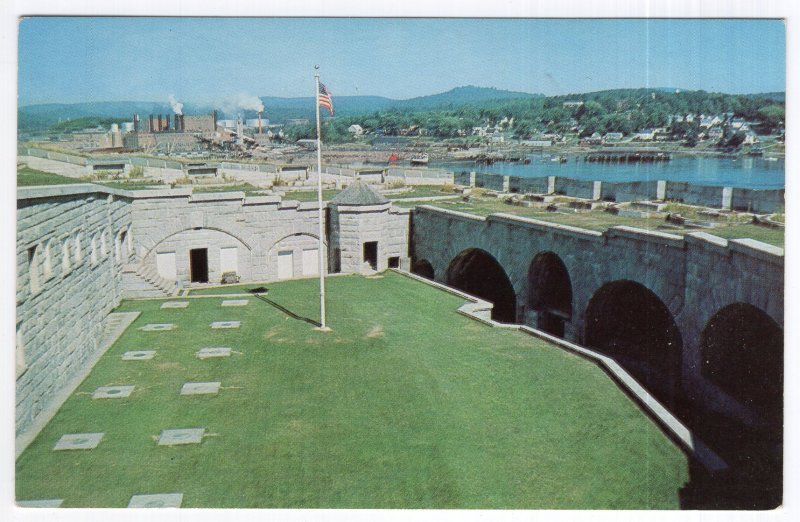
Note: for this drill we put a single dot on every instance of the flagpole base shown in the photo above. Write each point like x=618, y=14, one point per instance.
x=322, y=329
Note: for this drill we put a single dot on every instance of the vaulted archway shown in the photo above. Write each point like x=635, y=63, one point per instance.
x=423, y=267
x=628, y=322
x=477, y=272
x=550, y=292
x=741, y=350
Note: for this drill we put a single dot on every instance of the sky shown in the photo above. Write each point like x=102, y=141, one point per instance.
x=201, y=60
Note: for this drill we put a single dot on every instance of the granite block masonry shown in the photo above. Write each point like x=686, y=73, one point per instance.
x=81, y=248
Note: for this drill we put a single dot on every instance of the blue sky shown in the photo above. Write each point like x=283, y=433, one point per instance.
x=207, y=59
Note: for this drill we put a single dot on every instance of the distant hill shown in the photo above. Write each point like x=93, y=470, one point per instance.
x=277, y=109
x=464, y=96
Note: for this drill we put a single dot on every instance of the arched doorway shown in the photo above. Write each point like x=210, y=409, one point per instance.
x=741, y=349
x=296, y=256
x=550, y=292
x=422, y=267
x=629, y=323
x=477, y=272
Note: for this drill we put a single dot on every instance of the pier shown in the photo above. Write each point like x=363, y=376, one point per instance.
x=628, y=155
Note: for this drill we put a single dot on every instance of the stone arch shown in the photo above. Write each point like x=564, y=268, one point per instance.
x=424, y=268
x=628, y=322
x=103, y=244
x=287, y=256
x=477, y=272
x=181, y=231
x=47, y=265
x=741, y=350
x=94, y=255
x=122, y=249
x=78, y=239
x=549, y=292
x=34, y=268
x=66, y=258
x=178, y=247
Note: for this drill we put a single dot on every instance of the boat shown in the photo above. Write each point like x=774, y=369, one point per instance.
x=559, y=159
x=420, y=160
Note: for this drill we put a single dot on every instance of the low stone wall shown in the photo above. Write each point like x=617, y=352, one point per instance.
x=70, y=170
x=524, y=185
x=761, y=201
x=629, y=191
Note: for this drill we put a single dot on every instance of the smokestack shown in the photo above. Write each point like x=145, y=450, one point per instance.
x=259, y=122
x=166, y=127
x=150, y=126
x=135, y=122
x=214, y=113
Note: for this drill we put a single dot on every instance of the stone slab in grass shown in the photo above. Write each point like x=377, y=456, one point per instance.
x=207, y=353
x=158, y=327
x=200, y=388
x=78, y=441
x=235, y=302
x=181, y=436
x=216, y=325
x=175, y=304
x=158, y=500
x=138, y=355
x=49, y=503
x=112, y=392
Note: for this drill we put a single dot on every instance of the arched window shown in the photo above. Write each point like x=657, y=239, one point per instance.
x=93, y=254
x=48, y=260
x=66, y=262
x=103, y=244
x=34, y=262
x=78, y=248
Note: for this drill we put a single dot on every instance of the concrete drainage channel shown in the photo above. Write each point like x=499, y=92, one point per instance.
x=480, y=310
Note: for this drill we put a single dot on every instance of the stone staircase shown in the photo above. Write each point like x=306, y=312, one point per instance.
x=144, y=281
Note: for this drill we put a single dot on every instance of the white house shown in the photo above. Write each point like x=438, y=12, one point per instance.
x=355, y=130
x=645, y=135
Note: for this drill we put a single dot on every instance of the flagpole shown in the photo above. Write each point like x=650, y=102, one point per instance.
x=321, y=256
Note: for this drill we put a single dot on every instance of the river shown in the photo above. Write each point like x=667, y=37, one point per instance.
x=743, y=172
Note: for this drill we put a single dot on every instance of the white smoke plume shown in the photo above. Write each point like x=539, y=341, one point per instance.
x=177, y=107
x=240, y=102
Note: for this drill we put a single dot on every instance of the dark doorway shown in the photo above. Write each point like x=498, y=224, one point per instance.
x=423, y=268
x=394, y=262
x=198, y=265
x=371, y=254
x=628, y=322
x=477, y=272
x=550, y=293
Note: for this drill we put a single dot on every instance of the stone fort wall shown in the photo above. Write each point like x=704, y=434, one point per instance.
x=76, y=244
x=71, y=243
x=694, y=276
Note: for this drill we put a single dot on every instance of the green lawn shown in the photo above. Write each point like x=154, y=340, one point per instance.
x=28, y=177
x=405, y=404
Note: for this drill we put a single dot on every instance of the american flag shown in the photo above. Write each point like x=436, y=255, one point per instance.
x=325, y=98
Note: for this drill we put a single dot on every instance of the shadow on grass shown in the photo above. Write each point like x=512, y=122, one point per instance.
x=260, y=294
